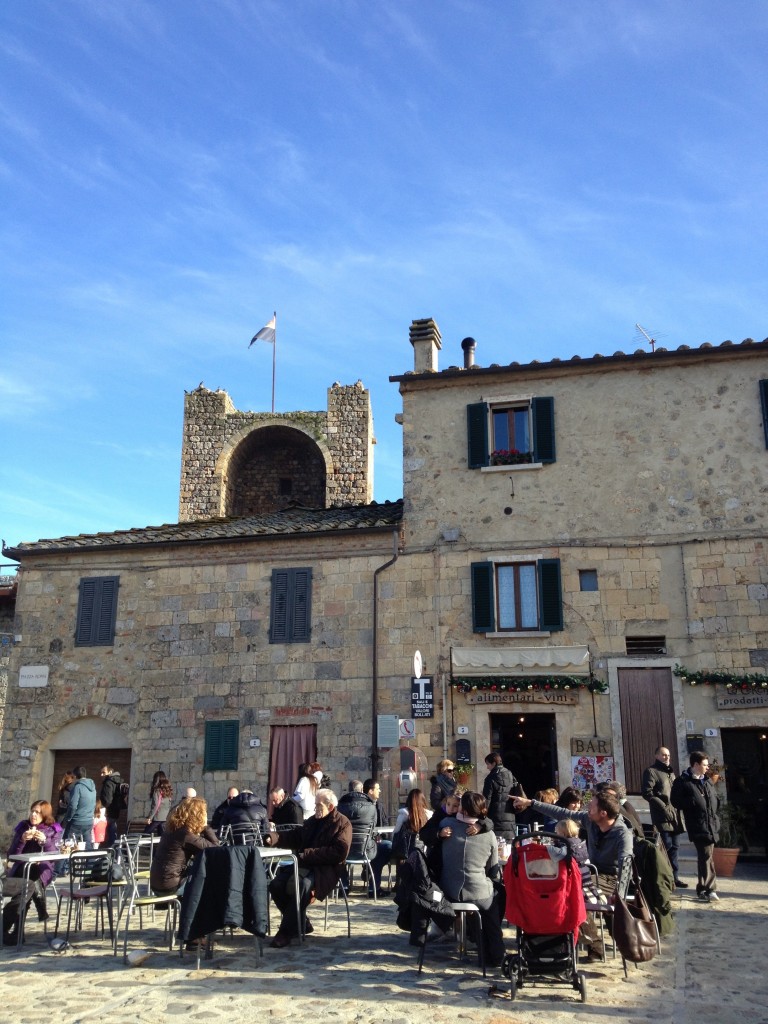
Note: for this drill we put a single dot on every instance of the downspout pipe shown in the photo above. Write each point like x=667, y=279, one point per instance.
x=375, y=666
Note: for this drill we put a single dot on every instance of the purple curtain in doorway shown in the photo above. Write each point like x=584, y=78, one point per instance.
x=289, y=746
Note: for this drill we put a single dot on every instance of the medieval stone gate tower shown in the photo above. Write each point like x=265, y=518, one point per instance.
x=245, y=463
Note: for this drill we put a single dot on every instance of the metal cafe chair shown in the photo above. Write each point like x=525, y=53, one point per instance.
x=362, y=835
x=84, y=889
x=135, y=903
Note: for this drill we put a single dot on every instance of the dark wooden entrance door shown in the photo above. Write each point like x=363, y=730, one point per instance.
x=527, y=744
x=93, y=761
x=745, y=755
x=647, y=720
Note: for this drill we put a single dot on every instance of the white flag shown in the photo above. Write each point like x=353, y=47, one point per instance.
x=267, y=332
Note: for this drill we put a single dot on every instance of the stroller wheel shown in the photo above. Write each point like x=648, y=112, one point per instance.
x=512, y=985
x=582, y=986
x=506, y=966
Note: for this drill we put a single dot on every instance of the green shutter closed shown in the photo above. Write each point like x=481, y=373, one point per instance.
x=543, y=416
x=278, y=617
x=291, y=608
x=550, y=595
x=96, y=611
x=477, y=435
x=222, y=740
x=483, y=610
x=301, y=625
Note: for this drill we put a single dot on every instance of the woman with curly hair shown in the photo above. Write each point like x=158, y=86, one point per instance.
x=186, y=832
x=160, y=796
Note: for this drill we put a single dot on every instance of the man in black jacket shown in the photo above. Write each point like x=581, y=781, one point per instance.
x=656, y=789
x=695, y=796
x=246, y=809
x=110, y=800
x=285, y=810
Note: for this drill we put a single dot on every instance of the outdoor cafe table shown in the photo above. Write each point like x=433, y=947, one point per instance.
x=276, y=854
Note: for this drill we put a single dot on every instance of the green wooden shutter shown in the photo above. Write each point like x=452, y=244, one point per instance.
x=483, y=609
x=301, y=617
x=550, y=594
x=222, y=741
x=477, y=435
x=543, y=415
x=278, y=619
x=96, y=611
x=764, y=405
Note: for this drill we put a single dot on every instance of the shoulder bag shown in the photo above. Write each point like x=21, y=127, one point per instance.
x=634, y=929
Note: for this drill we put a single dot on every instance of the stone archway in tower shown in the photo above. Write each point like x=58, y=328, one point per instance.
x=271, y=468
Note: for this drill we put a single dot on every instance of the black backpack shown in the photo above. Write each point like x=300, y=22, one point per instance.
x=124, y=791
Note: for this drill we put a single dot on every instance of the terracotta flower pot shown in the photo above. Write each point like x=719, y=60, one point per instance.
x=725, y=860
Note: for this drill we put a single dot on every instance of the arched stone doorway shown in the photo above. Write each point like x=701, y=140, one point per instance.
x=272, y=468
x=90, y=742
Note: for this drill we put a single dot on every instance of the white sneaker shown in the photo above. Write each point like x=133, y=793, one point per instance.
x=713, y=896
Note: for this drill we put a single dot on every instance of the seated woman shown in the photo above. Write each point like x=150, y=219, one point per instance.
x=35, y=834
x=410, y=820
x=322, y=843
x=470, y=868
x=186, y=832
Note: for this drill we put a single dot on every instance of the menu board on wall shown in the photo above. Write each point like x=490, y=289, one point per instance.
x=588, y=770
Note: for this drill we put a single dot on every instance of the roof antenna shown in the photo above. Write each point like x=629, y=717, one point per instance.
x=651, y=341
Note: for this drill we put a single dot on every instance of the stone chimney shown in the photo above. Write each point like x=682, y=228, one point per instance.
x=468, y=346
x=425, y=338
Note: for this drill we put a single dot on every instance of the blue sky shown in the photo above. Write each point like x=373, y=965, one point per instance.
x=540, y=175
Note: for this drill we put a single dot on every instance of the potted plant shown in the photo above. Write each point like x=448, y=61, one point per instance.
x=464, y=771
x=733, y=838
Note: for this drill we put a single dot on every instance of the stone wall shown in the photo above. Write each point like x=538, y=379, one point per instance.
x=227, y=455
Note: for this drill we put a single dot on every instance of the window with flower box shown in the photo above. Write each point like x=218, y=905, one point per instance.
x=510, y=433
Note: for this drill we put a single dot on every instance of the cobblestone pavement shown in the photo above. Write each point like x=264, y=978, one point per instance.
x=712, y=969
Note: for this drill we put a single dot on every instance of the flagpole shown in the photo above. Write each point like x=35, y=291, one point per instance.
x=274, y=351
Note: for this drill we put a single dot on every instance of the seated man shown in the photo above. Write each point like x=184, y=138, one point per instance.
x=285, y=810
x=218, y=814
x=362, y=812
x=322, y=843
x=246, y=809
x=609, y=840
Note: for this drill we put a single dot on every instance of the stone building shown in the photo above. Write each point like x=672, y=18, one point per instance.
x=593, y=532
x=578, y=542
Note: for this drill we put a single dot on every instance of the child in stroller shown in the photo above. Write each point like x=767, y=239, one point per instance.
x=546, y=904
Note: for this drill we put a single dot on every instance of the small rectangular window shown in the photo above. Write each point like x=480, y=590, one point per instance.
x=286, y=485
x=516, y=596
x=646, y=646
x=222, y=740
x=511, y=433
x=587, y=579
x=96, y=611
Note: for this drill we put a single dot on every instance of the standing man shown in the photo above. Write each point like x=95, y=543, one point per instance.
x=372, y=792
x=695, y=796
x=78, y=819
x=110, y=801
x=656, y=789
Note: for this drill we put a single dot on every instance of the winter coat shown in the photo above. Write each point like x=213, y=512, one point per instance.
x=159, y=806
x=169, y=863
x=288, y=813
x=697, y=799
x=499, y=782
x=442, y=786
x=45, y=868
x=245, y=809
x=470, y=863
x=323, y=845
x=656, y=881
x=361, y=812
x=419, y=901
x=226, y=887
x=656, y=789
x=81, y=809
x=110, y=795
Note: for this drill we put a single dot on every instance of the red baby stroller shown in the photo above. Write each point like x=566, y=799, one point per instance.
x=546, y=903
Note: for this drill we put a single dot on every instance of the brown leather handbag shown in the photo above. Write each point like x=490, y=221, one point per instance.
x=634, y=929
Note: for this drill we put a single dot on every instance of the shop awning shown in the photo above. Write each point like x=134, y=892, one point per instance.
x=518, y=661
